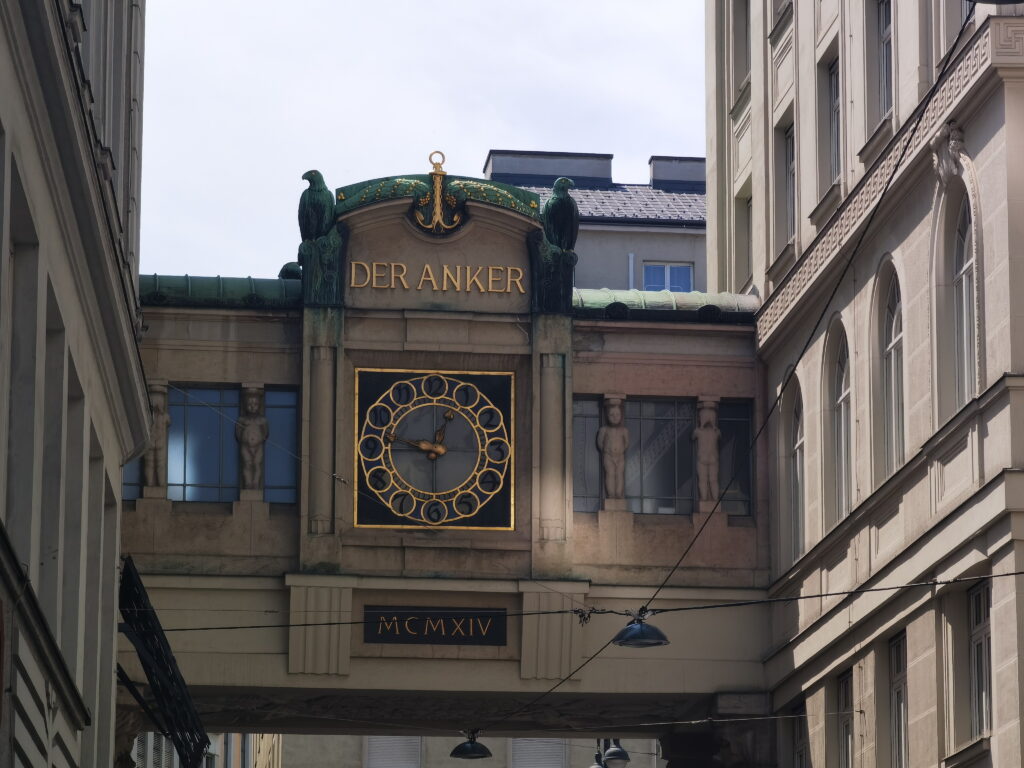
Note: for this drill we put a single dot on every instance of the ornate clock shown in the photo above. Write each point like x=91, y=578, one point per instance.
x=434, y=449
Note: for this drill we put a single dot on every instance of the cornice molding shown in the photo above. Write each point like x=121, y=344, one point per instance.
x=1000, y=40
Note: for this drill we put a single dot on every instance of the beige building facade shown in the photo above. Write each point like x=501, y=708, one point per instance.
x=377, y=494
x=895, y=451
x=72, y=396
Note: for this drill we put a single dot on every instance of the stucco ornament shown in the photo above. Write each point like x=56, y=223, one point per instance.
x=612, y=442
x=706, y=435
x=154, y=464
x=947, y=144
x=251, y=432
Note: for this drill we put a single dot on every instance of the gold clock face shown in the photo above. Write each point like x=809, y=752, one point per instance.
x=434, y=449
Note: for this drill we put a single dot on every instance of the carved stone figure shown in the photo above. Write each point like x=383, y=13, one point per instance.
x=947, y=144
x=154, y=464
x=706, y=435
x=562, y=216
x=552, y=274
x=612, y=442
x=316, y=207
x=251, y=432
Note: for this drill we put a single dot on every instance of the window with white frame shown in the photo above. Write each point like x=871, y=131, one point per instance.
x=796, y=477
x=672, y=277
x=963, y=305
x=884, y=57
x=392, y=752
x=789, y=169
x=844, y=711
x=834, y=124
x=841, y=430
x=899, y=737
x=979, y=604
x=892, y=377
x=538, y=753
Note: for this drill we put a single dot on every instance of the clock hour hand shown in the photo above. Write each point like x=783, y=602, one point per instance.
x=433, y=450
x=439, y=435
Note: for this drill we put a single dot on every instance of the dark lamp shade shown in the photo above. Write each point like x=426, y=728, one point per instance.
x=639, y=634
x=471, y=749
x=616, y=756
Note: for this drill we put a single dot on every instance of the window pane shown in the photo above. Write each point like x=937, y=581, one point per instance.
x=681, y=278
x=280, y=462
x=654, y=277
x=176, y=445
x=734, y=422
x=586, y=477
x=131, y=480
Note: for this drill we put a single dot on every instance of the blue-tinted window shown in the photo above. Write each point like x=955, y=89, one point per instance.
x=281, y=464
x=202, y=454
x=131, y=480
x=674, y=277
x=586, y=463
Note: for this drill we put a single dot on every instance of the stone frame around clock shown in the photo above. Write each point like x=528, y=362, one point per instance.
x=509, y=414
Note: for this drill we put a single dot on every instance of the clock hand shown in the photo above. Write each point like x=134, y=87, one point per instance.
x=439, y=435
x=433, y=450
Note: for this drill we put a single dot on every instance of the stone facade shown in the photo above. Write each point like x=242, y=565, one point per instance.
x=895, y=446
x=215, y=553
x=72, y=396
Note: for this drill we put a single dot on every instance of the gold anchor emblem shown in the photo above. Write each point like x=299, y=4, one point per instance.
x=437, y=223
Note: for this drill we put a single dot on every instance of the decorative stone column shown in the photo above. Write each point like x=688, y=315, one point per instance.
x=706, y=439
x=154, y=462
x=321, y=439
x=251, y=432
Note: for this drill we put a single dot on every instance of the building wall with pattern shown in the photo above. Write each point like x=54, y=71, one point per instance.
x=895, y=445
x=72, y=397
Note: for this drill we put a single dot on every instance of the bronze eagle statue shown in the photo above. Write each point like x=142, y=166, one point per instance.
x=561, y=216
x=316, y=207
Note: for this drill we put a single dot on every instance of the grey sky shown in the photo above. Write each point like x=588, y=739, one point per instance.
x=241, y=98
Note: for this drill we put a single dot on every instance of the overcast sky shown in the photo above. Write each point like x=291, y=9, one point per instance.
x=241, y=98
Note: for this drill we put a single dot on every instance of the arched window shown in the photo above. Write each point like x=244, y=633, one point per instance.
x=963, y=306
x=841, y=430
x=796, y=477
x=892, y=377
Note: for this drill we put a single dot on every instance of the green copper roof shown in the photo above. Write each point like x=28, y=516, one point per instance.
x=221, y=292
x=362, y=193
x=649, y=305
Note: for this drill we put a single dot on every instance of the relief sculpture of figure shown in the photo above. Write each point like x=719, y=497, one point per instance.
x=612, y=442
x=154, y=465
x=251, y=432
x=706, y=435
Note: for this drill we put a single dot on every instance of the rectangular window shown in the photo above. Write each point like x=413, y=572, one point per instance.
x=899, y=737
x=979, y=602
x=131, y=480
x=734, y=422
x=586, y=463
x=537, y=753
x=660, y=461
x=202, y=453
x=677, y=278
x=844, y=712
x=281, y=475
x=789, y=171
x=392, y=752
x=834, y=125
x=884, y=57
x=801, y=749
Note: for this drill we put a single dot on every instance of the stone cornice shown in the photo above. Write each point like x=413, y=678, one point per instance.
x=1000, y=40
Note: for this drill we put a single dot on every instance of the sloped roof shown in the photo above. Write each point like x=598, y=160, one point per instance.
x=635, y=204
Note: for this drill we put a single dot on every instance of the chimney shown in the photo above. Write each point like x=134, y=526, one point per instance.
x=540, y=169
x=678, y=174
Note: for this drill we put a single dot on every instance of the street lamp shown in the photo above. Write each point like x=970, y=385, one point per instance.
x=639, y=634
x=614, y=755
x=471, y=749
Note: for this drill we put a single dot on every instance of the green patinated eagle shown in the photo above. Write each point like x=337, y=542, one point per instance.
x=316, y=207
x=561, y=216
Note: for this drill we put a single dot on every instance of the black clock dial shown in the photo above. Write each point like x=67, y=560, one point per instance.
x=434, y=449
